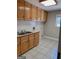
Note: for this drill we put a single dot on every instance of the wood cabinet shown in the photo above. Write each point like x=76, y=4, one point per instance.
x=27, y=42
x=34, y=12
x=28, y=12
x=36, y=38
x=18, y=46
x=31, y=41
x=38, y=14
x=20, y=9
x=43, y=15
x=24, y=44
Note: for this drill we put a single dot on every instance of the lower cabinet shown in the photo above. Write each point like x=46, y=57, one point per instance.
x=36, y=38
x=31, y=41
x=24, y=44
x=27, y=42
x=18, y=47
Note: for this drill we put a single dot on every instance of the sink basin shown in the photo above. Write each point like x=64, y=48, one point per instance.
x=22, y=33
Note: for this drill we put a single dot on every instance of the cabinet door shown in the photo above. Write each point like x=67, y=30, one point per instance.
x=20, y=9
x=36, y=40
x=38, y=14
x=18, y=46
x=34, y=12
x=24, y=44
x=31, y=41
x=27, y=11
x=43, y=15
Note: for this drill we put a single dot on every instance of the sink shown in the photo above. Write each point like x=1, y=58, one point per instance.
x=22, y=33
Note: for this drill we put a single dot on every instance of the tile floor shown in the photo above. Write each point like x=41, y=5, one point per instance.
x=43, y=51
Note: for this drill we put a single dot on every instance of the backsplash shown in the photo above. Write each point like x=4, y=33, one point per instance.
x=28, y=26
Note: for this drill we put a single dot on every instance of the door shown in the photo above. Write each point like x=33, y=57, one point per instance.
x=28, y=9
x=38, y=14
x=18, y=46
x=34, y=12
x=24, y=44
x=20, y=9
x=43, y=15
x=36, y=40
x=31, y=41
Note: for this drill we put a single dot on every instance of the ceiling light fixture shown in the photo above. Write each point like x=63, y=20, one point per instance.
x=48, y=2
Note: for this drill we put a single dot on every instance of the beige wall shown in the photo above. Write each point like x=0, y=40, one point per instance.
x=50, y=28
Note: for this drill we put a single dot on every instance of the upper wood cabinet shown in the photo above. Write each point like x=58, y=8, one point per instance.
x=43, y=15
x=28, y=12
x=38, y=14
x=20, y=9
x=20, y=3
x=34, y=12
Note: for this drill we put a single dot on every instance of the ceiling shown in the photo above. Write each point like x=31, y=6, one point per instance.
x=51, y=8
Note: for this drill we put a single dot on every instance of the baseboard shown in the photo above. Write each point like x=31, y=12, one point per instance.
x=50, y=38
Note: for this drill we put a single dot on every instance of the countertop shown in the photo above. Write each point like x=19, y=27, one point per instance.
x=27, y=34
